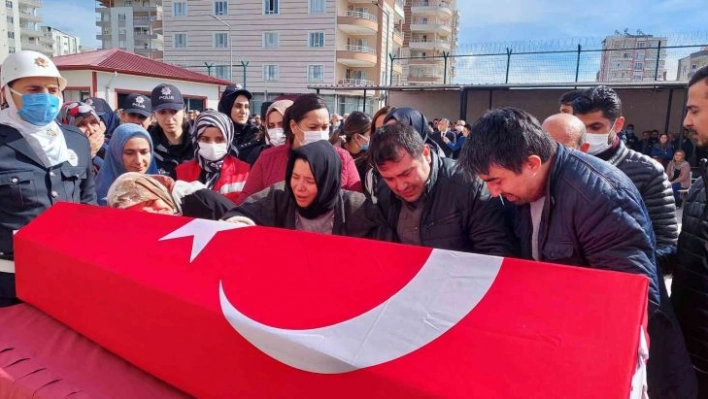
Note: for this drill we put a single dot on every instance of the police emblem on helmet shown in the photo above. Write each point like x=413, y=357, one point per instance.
x=41, y=62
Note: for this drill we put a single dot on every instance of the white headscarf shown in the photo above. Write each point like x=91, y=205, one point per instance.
x=47, y=141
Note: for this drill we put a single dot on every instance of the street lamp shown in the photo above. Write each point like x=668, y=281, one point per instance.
x=231, y=48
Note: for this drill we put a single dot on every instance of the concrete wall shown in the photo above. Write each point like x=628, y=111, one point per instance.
x=646, y=109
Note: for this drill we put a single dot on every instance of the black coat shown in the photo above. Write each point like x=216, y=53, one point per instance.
x=354, y=215
x=27, y=188
x=654, y=187
x=594, y=216
x=459, y=214
x=247, y=144
x=169, y=156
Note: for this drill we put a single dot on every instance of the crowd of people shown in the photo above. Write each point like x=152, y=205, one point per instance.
x=578, y=189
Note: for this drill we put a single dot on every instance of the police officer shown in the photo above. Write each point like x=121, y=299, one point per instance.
x=41, y=163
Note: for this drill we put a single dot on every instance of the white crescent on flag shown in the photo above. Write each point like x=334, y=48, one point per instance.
x=448, y=286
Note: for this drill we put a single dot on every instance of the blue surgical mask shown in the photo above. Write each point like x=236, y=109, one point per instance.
x=364, y=147
x=38, y=108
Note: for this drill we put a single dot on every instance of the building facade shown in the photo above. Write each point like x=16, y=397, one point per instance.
x=280, y=47
x=20, y=27
x=132, y=25
x=687, y=66
x=633, y=58
x=62, y=43
x=430, y=36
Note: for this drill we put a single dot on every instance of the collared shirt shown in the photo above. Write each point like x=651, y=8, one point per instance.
x=408, y=227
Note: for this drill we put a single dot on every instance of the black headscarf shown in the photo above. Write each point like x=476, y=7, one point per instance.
x=326, y=168
x=411, y=117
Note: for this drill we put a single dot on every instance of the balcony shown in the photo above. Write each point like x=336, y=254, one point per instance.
x=145, y=36
x=440, y=27
x=29, y=16
x=430, y=61
x=150, y=53
x=142, y=22
x=398, y=37
x=357, y=56
x=31, y=3
x=422, y=44
x=431, y=7
x=29, y=32
x=425, y=78
x=156, y=25
x=399, y=8
x=36, y=46
x=103, y=37
x=355, y=82
x=397, y=67
x=358, y=23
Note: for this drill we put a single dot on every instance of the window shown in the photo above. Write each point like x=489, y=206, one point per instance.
x=10, y=20
x=180, y=40
x=317, y=6
x=179, y=9
x=8, y=4
x=637, y=77
x=640, y=56
x=638, y=66
x=121, y=18
x=221, y=7
x=222, y=72
x=316, y=39
x=11, y=50
x=315, y=73
x=642, y=44
x=270, y=73
x=221, y=40
x=11, y=35
x=271, y=39
x=271, y=7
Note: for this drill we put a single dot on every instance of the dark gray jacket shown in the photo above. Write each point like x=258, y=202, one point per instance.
x=594, y=216
x=689, y=290
x=354, y=215
x=653, y=185
x=459, y=213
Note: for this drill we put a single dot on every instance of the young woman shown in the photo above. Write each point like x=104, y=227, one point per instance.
x=273, y=124
x=311, y=198
x=213, y=166
x=304, y=122
x=357, y=131
x=130, y=150
x=247, y=143
x=663, y=151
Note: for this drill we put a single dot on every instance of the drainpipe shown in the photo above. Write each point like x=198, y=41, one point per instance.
x=108, y=85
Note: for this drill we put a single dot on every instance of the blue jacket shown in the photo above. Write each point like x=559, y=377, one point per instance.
x=594, y=217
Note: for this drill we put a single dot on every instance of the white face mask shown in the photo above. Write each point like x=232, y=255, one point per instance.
x=314, y=136
x=276, y=136
x=599, y=142
x=213, y=152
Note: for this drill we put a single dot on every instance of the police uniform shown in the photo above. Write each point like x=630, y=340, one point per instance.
x=27, y=188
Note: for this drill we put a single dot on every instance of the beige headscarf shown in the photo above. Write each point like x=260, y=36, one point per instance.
x=134, y=188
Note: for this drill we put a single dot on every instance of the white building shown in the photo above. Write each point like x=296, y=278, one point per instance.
x=20, y=27
x=133, y=25
x=63, y=43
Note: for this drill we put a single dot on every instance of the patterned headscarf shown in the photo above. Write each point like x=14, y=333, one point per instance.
x=211, y=170
x=134, y=188
x=73, y=113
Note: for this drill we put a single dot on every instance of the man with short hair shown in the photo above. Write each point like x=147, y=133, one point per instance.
x=574, y=209
x=566, y=101
x=567, y=130
x=442, y=134
x=136, y=109
x=689, y=289
x=600, y=109
x=427, y=201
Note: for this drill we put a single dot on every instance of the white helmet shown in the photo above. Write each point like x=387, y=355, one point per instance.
x=27, y=64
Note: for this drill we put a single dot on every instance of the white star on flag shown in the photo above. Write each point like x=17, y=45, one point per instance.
x=202, y=231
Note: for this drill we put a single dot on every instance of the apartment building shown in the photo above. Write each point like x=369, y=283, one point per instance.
x=20, y=24
x=687, y=66
x=632, y=58
x=278, y=47
x=62, y=43
x=430, y=28
x=133, y=25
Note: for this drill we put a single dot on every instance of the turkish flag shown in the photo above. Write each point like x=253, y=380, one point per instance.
x=219, y=311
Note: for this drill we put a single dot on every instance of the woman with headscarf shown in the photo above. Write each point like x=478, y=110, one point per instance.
x=213, y=165
x=108, y=118
x=130, y=150
x=274, y=134
x=311, y=198
x=84, y=117
x=357, y=130
x=306, y=121
x=160, y=194
x=247, y=144
x=416, y=119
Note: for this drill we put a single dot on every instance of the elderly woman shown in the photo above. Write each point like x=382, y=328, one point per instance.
x=213, y=166
x=130, y=150
x=160, y=194
x=306, y=121
x=311, y=198
x=84, y=117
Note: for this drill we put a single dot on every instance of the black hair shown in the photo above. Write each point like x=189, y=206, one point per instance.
x=391, y=141
x=504, y=137
x=301, y=106
x=698, y=76
x=357, y=123
x=600, y=98
x=569, y=96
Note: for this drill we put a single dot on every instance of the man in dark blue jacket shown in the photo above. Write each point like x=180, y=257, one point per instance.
x=575, y=209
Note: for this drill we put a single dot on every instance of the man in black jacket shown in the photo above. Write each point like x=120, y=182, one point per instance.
x=426, y=201
x=574, y=209
x=690, y=284
x=601, y=110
